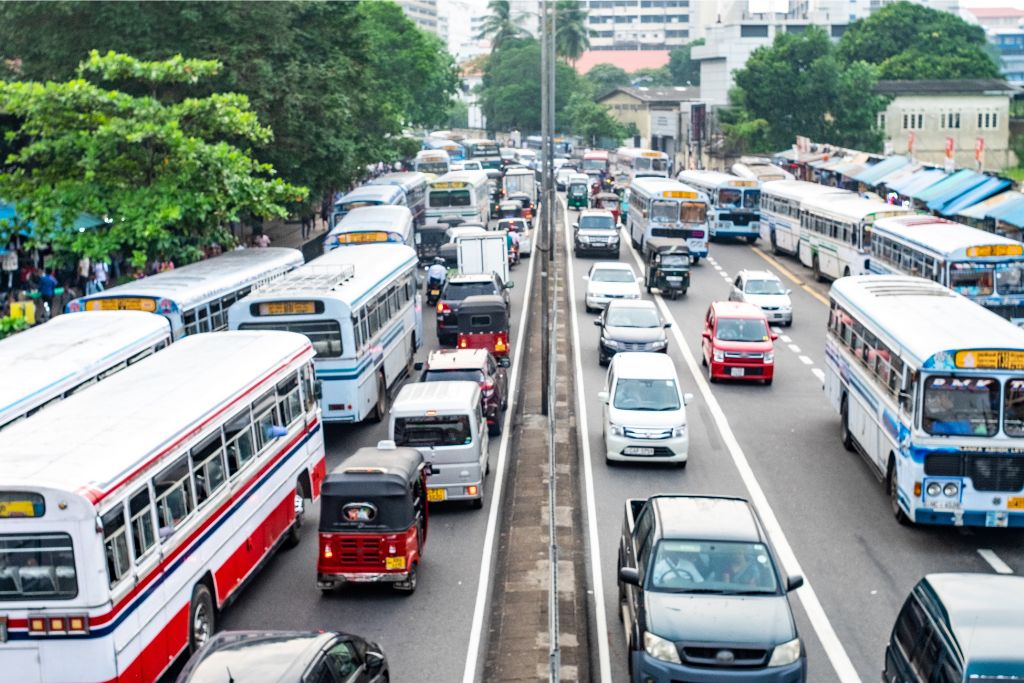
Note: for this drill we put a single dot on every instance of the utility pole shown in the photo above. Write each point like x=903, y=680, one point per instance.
x=547, y=208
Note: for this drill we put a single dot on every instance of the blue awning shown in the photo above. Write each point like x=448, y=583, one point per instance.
x=942, y=197
x=872, y=174
x=980, y=193
x=9, y=216
x=1011, y=212
x=918, y=181
x=951, y=185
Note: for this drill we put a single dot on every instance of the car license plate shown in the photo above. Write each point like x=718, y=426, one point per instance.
x=1015, y=503
x=736, y=372
x=395, y=562
x=637, y=450
x=435, y=495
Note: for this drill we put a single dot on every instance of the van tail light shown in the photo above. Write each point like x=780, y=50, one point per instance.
x=64, y=624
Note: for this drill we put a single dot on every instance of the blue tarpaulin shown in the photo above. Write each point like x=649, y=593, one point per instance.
x=918, y=181
x=950, y=185
x=980, y=193
x=872, y=174
x=9, y=215
x=1011, y=212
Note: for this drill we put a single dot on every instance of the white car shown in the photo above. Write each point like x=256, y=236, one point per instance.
x=608, y=280
x=562, y=176
x=763, y=289
x=644, y=410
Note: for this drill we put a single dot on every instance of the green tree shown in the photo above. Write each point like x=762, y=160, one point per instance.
x=606, y=77
x=685, y=71
x=652, y=77
x=458, y=115
x=910, y=42
x=572, y=37
x=510, y=89
x=591, y=121
x=168, y=175
x=501, y=26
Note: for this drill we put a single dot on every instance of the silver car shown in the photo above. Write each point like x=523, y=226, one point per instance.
x=765, y=290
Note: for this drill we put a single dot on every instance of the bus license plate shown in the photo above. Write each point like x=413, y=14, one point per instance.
x=736, y=372
x=637, y=450
x=435, y=495
x=1015, y=503
x=394, y=563
x=997, y=519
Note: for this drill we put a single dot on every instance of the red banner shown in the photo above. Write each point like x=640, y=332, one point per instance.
x=949, y=148
x=910, y=142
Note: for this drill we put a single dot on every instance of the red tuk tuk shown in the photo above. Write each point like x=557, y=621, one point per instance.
x=373, y=519
x=609, y=201
x=483, y=324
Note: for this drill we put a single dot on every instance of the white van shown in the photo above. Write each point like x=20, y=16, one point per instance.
x=644, y=410
x=444, y=421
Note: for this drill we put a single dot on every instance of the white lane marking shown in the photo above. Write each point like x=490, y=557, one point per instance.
x=484, y=580
x=596, y=575
x=776, y=330
x=993, y=560
x=806, y=361
x=794, y=348
x=833, y=647
x=784, y=337
x=716, y=266
x=819, y=373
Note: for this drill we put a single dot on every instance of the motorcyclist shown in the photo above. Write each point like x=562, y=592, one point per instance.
x=513, y=245
x=436, y=274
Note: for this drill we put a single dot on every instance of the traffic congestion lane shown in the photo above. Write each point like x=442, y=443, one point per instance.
x=835, y=512
x=423, y=635
x=710, y=470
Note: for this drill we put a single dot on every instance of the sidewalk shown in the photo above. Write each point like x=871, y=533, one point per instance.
x=288, y=233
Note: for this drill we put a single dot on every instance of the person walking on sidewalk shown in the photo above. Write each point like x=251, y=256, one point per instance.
x=261, y=240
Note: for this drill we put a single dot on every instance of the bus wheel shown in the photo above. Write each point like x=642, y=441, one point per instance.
x=751, y=239
x=816, y=269
x=844, y=412
x=201, y=618
x=846, y=272
x=775, y=246
x=381, y=409
x=291, y=538
x=894, y=498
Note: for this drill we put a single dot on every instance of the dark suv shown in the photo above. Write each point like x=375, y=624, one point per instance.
x=474, y=365
x=286, y=657
x=458, y=288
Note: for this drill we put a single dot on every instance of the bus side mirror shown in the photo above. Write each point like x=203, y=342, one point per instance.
x=318, y=389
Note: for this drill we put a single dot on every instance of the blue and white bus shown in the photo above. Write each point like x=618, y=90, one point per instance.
x=367, y=195
x=735, y=203
x=930, y=390
x=456, y=152
x=361, y=310
x=485, y=151
x=372, y=224
x=464, y=194
x=986, y=268
x=195, y=298
x=432, y=163
x=660, y=207
x=414, y=185
x=781, y=203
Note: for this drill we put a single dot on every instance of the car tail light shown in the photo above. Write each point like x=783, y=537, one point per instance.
x=441, y=308
x=487, y=388
x=328, y=553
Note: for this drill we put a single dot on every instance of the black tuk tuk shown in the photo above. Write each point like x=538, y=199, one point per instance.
x=483, y=324
x=429, y=239
x=524, y=201
x=667, y=267
x=373, y=519
x=509, y=208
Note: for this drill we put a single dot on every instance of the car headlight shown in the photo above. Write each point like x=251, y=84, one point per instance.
x=614, y=429
x=660, y=344
x=582, y=239
x=784, y=654
x=769, y=357
x=659, y=648
x=679, y=431
x=950, y=489
x=614, y=238
x=719, y=356
x=933, y=489
x=611, y=343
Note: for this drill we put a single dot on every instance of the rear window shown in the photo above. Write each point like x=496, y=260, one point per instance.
x=457, y=291
x=453, y=375
x=39, y=566
x=436, y=430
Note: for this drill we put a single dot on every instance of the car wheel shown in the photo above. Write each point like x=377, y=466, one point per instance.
x=711, y=375
x=201, y=618
x=477, y=503
x=602, y=359
x=768, y=382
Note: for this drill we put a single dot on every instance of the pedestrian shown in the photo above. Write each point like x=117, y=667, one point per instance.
x=84, y=269
x=92, y=285
x=325, y=208
x=47, y=291
x=102, y=271
x=262, y=240
x=166, y=264
x=307, y=221
x=9, y=266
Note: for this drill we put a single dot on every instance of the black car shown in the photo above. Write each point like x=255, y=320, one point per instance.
x=455, y=290
x=630, y=325
x=286, y=657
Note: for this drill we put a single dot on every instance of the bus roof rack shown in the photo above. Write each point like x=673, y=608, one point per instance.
x=318, y=277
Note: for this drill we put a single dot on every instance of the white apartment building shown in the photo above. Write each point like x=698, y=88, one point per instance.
x=422, y=12
x=641, y=24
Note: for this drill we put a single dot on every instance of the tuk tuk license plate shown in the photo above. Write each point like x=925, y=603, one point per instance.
x=736, y=372
x=436, y=495
x=637, y=450
x=1015, y=503
x=435, y=292
x=394, y=563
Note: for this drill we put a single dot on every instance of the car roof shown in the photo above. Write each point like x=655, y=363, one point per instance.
x=457, y=359
x=258, y=656
x=757, y=274
x=640, y=365
x=708, y=518
x=596, y=212
x=737, y=309
x=632, y=303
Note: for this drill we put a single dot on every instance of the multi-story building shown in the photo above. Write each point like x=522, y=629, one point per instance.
x=660, y=114
x=422, y=12
x=640, y=24
x=1005, y=29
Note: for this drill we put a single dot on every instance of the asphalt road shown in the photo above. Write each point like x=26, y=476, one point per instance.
x=833, y=513
x=423, y=635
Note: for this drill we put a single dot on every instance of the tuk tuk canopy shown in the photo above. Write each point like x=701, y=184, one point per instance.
x=670, y=253
x=482, y=313
x=374, y=490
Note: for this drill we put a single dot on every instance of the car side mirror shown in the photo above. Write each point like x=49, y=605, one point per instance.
x=687, y=398
x=666, y=325
x=638, y=279
x=629, y=575
x=788, y=292
x=603, y=396
x=794, y=581
x=418, y=365
x=374, y=662
x=505, y=363
x=509, y=285
x=706, y=334
x=587, y=278
x=575, y=226
x=774, y=336
x=597, y=323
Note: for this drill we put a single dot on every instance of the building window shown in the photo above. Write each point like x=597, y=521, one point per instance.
x=754, y=31
x=913, y=121
x=949, y=120
x=988, y=120
x=881, y=120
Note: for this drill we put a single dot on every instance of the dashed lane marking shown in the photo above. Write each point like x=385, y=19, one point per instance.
x=789, y=274
x=806, y=361
x=993, y=560
x=794, y=348
x=786, y=338
x=819, y=373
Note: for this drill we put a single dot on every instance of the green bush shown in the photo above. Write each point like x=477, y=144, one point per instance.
x=10, y=325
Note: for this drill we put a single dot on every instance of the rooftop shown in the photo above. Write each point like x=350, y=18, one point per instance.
x=627, y=60
x=653, y=95
x=945, y=87
x=706, y=518
x=994, y=12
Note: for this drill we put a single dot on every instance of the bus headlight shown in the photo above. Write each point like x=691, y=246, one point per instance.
x=933, y=489
x=950, y=489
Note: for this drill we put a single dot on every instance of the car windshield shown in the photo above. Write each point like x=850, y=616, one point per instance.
x=612, y=275
x=513, y=226
x=961, y=405
x=1010, y=279
x=433, y=430
x=457, y=291
x=764, y=287
x=453, y=375
x=646, y=394
x=741, y=330
x=725, y=568
x=628, y=316
x=970, y=279
x=597, y=222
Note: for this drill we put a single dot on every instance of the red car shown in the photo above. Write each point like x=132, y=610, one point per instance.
x=475, y=365
x=738, y=343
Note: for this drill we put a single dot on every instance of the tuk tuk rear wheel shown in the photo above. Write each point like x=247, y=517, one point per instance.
x=408, y=587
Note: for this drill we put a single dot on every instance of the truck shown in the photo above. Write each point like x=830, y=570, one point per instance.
x=484, y=253
x=701, y=595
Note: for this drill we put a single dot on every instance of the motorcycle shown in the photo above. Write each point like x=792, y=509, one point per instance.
x=434, y=287
x=513, y=256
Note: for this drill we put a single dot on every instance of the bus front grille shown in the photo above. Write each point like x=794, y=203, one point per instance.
x=989, y=473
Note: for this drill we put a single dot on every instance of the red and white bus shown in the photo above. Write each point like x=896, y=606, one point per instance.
x=132, y=511
x=596, y=161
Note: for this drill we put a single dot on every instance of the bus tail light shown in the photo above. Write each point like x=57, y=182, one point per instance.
x=65, y=624
x=463, y=343
x=697, y=234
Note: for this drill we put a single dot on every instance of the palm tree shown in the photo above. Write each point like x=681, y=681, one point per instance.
x=572, y=37
x=500, y=25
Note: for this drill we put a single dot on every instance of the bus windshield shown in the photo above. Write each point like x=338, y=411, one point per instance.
x=1010, y=279
x=961, y=405
x=752, y=199
x=693, y=212
x=438, y=167
x=594, y=164
x=648, y=164
x=665, y=212
x=729, y=197
x=39, y=566
x=971, y=279
x=453, y=198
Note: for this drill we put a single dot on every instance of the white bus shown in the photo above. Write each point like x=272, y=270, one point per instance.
x=629, y=163
x=464, y=194
x=132, y=512
x=432, y=161
x=367, y=195
x=930, y=389
x=52, y=361
x=781, y=203
x=414, y=185
x=360, y=308
x=195, y=298
x=370, y=225
x=660, y=207
x=986, y=268
x=735, y=203
x=760, y=170
x=835, y=234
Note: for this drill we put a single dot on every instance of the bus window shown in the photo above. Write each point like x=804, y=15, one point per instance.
x=240, y=444
x=264, y=411
x=173, y=497
x=729, y=197
x=290, y=404
x=139, y=509
x=37, y=567
x=664, y=212
x=970, y=279
x=208, y=466
x=115, y=544
x=693, y=212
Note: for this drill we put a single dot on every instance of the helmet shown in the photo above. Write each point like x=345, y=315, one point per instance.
x=438, y=261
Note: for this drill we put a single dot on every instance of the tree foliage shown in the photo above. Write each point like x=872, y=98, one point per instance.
x=660, y=76
x=908, y=41
x=501, y=26
x=168, y=175
x=572, y=36
x=606, y=77
x=685, y=70
x=510, y=91
x=592, y=121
